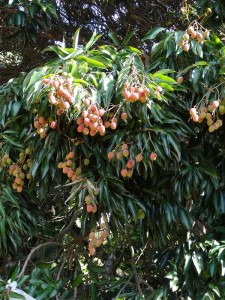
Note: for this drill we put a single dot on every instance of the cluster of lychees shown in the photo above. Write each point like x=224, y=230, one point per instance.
x=90, y=122
x=111, y=123
x=158, y=90
x=69, y=167
x=90, y=202
x=20, y=170
x=133, y=93
x=41, y=124
x=61, y=94
x=124, y=116
x=192, y=33
x=210, y=113
x=96, y=239
x=5, y=160
x=19, y=175
x=127, y=170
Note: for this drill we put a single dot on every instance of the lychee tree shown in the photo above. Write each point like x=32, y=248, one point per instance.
x=111, y=172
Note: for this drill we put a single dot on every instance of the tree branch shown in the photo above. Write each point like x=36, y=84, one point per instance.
x=70, y=225
x=120, y=291
x=136, y=276
x=32, y=252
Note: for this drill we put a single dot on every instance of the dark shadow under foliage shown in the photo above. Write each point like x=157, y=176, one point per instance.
x=28, y=27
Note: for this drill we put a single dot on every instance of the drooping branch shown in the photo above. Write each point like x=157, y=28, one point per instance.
x=133, y=264
x=33, y=251
x=69, y=226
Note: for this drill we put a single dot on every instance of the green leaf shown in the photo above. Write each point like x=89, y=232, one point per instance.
x=187, y=262
x=74, y=67
x=208, y=169
x=156, y=48
x=43, y=295
x=53, y=293
x=222, y=70
x=15, y=273
x=185, y=219
x=176, y=145
x=133, y=209
x=165, y=71
x=2, y=209
x=199, y=50
x=221, y=253
x=3, y=232
x=93, y=276
x=107, y=89
x=133, y=49
x=44, y=265
x=52, y=9
x=208, y=296
x=166, y=86
x=200, y=63
x=105, y=60
x=93, y=40
x=158, y=77
x=22, y=279
x=114, y=38
x=174, y=284
x=156, y=295
x=15, y=108
x=153, y=33
x=220, y=229
x=195, y=74
x=97, y=269
x=33, y=9
x=44, y=167
x=10, y=197
x=216, y=40
x=34, y=168
x=16, y=295
x=75, y=39
x=222, y=202
x=33, y=76
x=77, y=281
x=165, y=144
x=215, y=289
x=20, y=18
x=156, y=112
x=81, y=81
x=171, y=275
x=11, y=141
x=93, y=291
x=198, y=261
x=159, y=151
x=92, y=62
x=222, y=267
x=128, y=37
x=64, y=53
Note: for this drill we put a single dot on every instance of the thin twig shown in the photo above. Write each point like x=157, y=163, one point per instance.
x=148, y=285
x=142, y=280
x=70, y=225
x=120, y=291
x=59, y=273
x=132, y=260
x=75, y=288
x=32, y=252
x=60, y=269
x=142, y=252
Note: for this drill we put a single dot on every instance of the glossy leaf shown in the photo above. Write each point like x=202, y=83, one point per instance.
x=153, y=33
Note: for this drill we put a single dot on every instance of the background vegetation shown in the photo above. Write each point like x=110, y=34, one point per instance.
x=133, y=206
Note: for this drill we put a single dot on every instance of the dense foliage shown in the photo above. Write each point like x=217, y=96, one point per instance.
x=112, y=169
x=28, y=27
